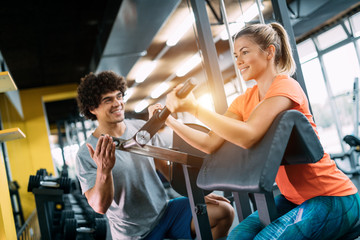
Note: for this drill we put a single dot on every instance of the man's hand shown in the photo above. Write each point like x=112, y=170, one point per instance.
x=104, y=155
x=215, y=199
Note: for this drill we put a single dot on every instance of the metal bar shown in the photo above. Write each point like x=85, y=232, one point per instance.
x=338, y=45
x=356, y=100
x=5, y=155
x=261, y=16
x=197, y=204
x=219, y=19
x=282, y=16
x=242, y=83
x=209, y=54
x=165, y=154
x=266, y=207
x=355, y=158
x=331, y=97
x=242, y=204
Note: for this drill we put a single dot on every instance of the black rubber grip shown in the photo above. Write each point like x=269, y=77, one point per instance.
x=181, y=93
x=187, y=88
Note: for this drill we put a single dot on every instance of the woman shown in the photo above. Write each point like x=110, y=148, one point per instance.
x=317, y=201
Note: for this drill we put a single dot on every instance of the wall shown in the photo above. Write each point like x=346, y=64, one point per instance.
x=27, y=155
x=7, y=225
x=18, y=153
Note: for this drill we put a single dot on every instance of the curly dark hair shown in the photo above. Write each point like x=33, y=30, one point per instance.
x=92, y=86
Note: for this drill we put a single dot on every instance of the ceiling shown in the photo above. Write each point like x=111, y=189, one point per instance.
x=49, y=43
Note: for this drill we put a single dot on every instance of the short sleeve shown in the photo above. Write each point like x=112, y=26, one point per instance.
x=85, y=169
x=243, y=104
x=287, y=87
x=236, y=105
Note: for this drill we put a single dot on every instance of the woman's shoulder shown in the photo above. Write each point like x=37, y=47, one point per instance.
x=286, y=86
x=247, y=94
x=285, y=81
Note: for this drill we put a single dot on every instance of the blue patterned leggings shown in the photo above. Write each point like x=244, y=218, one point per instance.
x=321, y=217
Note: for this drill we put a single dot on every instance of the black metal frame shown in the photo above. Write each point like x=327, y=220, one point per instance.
x=282, y=16
x=190, y=165
x=209, y=54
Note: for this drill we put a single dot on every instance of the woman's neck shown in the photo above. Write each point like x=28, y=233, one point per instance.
x=264, y=83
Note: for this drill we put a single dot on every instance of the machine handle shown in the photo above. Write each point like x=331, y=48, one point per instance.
x=189, y=85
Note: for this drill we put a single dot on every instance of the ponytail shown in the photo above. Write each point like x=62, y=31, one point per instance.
x=286, y=60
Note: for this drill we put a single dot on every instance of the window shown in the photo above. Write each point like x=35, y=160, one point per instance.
x=306, y=50
x=331, y=37
x=355, y=23
x=320, y=105
x=342, y=67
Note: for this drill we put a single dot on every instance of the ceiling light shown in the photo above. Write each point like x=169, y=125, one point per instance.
x=160, y=90
x=249, y=14
x=181, y=30
x=128, y=94
x=141, y=105
x=188, y=65
x=145, y=71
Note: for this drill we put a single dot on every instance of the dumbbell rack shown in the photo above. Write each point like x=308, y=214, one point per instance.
x=46, y=200
x=82, y=222
x=56, y=208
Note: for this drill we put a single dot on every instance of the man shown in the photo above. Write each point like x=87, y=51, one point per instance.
x=125, y=186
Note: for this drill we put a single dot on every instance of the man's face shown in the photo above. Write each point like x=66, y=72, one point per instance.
x=111, y=108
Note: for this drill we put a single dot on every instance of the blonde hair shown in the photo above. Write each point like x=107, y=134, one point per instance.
x=272, y=34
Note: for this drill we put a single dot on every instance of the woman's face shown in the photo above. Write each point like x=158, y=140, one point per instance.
x=251, y=60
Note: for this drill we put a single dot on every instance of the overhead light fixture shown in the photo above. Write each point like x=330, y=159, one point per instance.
x=128, y=94
x=141, y=105
x=181, y=30
x=160, y=90
x=145, y=71
x=188, y=65
x=248, y=15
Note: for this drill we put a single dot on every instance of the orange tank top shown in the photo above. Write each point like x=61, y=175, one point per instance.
x=301, y=182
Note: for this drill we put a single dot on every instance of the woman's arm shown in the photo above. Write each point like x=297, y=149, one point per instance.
x=244, y=134
x=206, y=142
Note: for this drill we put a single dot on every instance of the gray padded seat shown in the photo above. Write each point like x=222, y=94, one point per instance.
x=290, y=140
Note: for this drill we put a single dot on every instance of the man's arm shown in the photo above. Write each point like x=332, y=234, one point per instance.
x=102, y=194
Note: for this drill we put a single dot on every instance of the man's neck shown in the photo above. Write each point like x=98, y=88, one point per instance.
x=114, y=130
